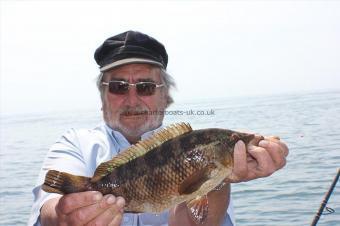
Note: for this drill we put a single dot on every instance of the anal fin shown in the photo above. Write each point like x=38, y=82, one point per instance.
x=198, y=209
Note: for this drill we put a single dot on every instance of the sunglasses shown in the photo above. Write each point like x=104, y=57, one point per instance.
x=122, y=87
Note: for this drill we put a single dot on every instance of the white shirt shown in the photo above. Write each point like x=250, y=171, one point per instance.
x=79, y=152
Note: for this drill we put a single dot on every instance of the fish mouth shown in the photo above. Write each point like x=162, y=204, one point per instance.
x=256, y=139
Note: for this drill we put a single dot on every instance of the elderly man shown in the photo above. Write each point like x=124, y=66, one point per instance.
x=133, y=82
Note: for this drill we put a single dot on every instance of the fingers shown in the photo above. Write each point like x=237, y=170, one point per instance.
x=258, y=161
x=282, y=146
x=264, y=165
x=117, y=220
x=101, y=212
x=273, y=138
x=112, y=215
x=87, y=213
x=73, y=201
x=277, y=150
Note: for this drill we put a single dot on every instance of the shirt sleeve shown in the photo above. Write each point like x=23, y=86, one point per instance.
x=65, y=155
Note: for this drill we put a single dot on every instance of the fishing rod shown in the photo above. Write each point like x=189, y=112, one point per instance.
x=325, y=200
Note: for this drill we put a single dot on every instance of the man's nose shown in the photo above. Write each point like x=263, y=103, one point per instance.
x=132, y=97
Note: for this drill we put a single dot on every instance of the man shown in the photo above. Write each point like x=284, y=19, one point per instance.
x=133, y=82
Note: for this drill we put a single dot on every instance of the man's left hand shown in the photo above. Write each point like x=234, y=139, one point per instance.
x=254, y=162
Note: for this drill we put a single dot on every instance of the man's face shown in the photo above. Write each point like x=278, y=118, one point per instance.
x=127, y=113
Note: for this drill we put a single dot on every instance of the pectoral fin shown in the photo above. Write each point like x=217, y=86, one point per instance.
x=193, y=183
x=198, y=209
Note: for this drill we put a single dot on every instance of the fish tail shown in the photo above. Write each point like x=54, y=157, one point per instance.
x=65, y=183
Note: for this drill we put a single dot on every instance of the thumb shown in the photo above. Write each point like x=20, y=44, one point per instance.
x=240, y=162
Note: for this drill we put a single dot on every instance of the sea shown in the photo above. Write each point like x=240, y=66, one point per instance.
x=309, y=123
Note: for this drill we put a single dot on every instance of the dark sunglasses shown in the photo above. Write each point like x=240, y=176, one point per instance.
x=122, y=87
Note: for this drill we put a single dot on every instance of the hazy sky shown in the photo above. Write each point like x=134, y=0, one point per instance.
x=216, y=49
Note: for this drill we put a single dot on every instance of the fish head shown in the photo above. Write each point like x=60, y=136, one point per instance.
x=230, y=137
x=226, y=143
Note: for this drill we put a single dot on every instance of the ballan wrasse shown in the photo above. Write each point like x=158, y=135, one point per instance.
x=174, y=165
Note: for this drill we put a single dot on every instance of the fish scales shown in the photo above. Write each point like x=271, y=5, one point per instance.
x=178, y=169
x=154, y=179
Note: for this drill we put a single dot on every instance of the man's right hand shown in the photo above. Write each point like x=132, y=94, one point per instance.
x=84, y=208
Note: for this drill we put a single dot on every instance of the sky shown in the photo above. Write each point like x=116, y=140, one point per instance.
x=217, y=49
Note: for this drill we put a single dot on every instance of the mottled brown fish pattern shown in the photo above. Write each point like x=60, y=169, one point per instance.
x=175, y=165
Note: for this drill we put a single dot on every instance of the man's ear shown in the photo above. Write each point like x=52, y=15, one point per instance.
x=169, y=101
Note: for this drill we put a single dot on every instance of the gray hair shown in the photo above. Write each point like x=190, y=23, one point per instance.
x=166, y=78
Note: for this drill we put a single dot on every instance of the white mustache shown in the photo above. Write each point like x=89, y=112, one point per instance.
x=139, y=110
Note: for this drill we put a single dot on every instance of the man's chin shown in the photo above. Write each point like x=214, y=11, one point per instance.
x=132, y=132
x=134, y=121
x=136, y=126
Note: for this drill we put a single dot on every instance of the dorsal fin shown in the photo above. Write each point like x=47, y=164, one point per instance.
x=140, y=148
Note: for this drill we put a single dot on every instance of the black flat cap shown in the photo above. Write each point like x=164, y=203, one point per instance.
x=130, y=47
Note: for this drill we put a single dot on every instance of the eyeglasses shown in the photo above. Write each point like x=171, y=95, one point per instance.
x=122, y=87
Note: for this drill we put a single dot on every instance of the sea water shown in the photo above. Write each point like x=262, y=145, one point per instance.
x=309, y=123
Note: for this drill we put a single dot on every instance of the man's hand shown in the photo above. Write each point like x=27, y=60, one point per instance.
x=84, y=208
x=258, y=161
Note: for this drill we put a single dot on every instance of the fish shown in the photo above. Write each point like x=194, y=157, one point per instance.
x=176, y=164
